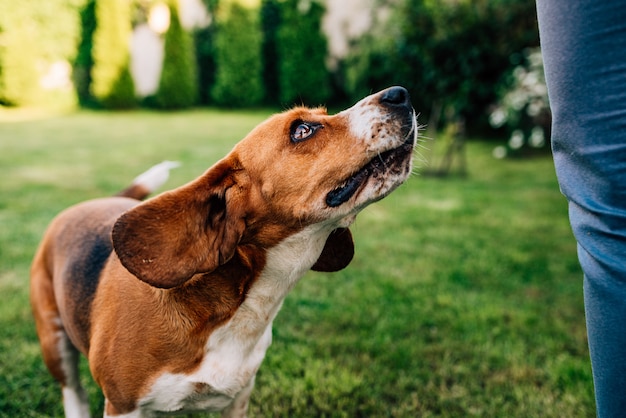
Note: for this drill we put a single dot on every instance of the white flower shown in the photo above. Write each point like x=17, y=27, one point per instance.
x=517, y=139
x=499, y=152
x=537, y=138
x=534, y=108
x=535, y=58
x=497, y=118
x=517, y=99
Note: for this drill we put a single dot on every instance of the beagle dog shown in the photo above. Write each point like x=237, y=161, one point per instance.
x=172, y=299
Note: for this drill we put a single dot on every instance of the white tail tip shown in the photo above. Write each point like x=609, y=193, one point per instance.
x=156, y=176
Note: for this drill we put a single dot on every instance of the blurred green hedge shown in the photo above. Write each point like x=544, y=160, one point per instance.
x=452, y=55
x=178, y=88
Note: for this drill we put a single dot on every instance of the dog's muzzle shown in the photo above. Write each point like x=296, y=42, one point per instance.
x=397, y=101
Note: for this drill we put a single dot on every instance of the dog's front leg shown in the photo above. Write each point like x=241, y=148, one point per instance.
x=239, y=407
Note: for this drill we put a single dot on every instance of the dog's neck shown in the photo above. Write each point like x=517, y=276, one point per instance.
x=250, y=288
x=285, y=264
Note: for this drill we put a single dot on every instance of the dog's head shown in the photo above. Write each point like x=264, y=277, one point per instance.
x=299, y=168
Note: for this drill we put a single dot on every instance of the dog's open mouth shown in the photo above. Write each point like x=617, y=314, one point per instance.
x=378, y=165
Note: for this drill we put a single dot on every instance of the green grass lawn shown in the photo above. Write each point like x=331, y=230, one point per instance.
x=464, y=297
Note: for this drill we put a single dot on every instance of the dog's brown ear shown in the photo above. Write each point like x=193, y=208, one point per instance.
x=193, y=229
x=337, y=253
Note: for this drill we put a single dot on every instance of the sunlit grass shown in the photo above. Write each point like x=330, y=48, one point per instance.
x=464, y=297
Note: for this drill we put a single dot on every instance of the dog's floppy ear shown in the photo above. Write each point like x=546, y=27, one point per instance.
x=337, y=253
x=193, y=229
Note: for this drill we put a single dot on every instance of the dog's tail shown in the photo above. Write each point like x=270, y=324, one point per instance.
x=149, y=181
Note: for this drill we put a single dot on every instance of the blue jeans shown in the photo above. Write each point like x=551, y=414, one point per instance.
x=584, y=49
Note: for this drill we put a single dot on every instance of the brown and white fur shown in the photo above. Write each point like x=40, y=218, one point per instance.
x=172, y=299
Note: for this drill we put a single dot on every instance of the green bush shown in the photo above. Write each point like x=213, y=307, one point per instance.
x=34, y=35
x=112, y=84
x=178, y=87
x=455, y=53
x=238, y=78
x=204, y=41
x=19, y=78
x=302, y=49
x=270, y=22
x=83, y=63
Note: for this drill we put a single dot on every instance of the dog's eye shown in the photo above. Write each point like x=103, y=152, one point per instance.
x=303, y=130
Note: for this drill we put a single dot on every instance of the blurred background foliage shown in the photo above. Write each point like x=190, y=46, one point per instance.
x=111, y=82
x=238, y=71
x=456, y=57
x=178, y=87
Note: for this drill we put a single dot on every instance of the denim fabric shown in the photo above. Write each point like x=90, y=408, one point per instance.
x=584, y=48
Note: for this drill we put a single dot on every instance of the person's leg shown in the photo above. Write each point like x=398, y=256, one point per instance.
x=584, y=49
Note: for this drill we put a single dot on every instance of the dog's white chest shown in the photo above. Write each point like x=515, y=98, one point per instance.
x=234, y=352
x=228, y=367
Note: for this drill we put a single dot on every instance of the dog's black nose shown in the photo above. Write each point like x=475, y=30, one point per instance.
x=396, y=97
